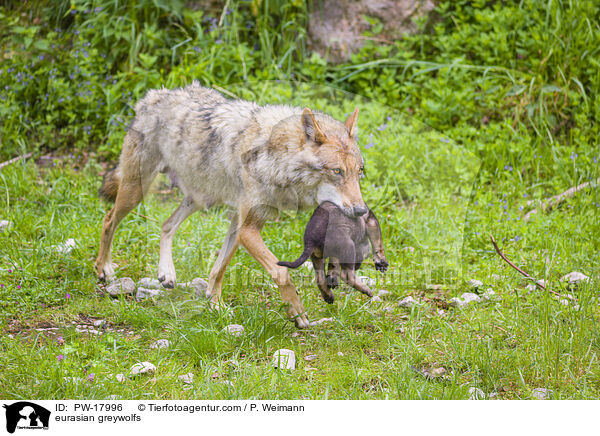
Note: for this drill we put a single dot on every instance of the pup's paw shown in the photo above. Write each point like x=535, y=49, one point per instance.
x=381, y=265
x=167, y=280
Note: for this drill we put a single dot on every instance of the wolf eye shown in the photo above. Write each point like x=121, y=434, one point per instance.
x=337, y=171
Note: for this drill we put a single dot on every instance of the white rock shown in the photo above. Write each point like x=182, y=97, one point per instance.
x=383, y=293
x=120, y=378
x=476, y=394
x=407, y=302
x=124, y=286
x=574, y=277
x=475, y=283
x=455, y=301
x=321, y=321
x=295, y=334
x=438, y=372
x=339, y=353
x=310, y=357
x=98, y=322
x=234, y=329
x=469, y=297
x=284, y=359
x=142, y=368
x=376, y=299
x=187, y=378
x=308, y=266
x=198, y=285
x=65, y=247
x=144, y=293
x=488, y=294
x=161, y=343
x=541, y=393
x=368, y=281
x=409, y=249
x=148, y=283
x=5, y=225
x=87, y=329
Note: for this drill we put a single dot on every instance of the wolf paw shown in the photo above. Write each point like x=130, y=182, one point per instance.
x=106, y=273
x=167, y=280
x=381, y=265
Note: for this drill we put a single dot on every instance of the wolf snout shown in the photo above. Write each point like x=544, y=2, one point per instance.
x=359, y=210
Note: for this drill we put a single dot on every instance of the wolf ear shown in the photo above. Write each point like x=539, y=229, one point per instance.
x=351, y=123
x=311, y=127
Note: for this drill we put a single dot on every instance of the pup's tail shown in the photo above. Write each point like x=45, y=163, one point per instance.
x=110, y=185
x=295, y=264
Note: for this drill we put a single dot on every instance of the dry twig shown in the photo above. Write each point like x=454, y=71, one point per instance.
x=539, y=285
x=16, y=159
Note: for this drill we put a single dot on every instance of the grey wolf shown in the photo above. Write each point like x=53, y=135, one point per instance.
x=254, y=159
x=345, y=241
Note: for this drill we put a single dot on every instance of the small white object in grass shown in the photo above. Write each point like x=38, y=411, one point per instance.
x=148, y=283
x=228, y=383
x=66, y=247
x=295, y=334
x=339, y=353
x=143, y=293
x=120, y=378
x=98, y=322
x=438, y=372
x=284, y=359
x=409, y=249
x=234, y=329
x=5, y=225
x=310, y=357
x=308, y=266
x=124, y=286
x=161, y=343
x=187, y=378
x=142, y=368
x=383, y=292
x=476, y=394
x=376, y=299
x=488, y=294
x=469, y=297
x=575, y=277
x=541, y=393
x=475, y=283
x=321, y=321
x=368, y=281
x=198, y=285
x=75, y=380
x=407, y=302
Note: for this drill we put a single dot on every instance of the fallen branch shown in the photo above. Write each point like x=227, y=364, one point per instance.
x=539, y=285
x=16, y=159
x=143, y=216
x=549, y=204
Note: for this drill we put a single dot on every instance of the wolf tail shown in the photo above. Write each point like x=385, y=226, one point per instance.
x=295, y=264
x=110, y=185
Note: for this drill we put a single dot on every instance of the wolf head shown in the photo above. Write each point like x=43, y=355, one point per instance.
x=339, y=161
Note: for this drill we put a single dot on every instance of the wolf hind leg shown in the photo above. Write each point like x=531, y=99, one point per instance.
x=319, y=267
x=166, y=269
x=215, y=279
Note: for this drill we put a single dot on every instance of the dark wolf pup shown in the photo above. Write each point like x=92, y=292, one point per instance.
x=255, y=159
x=344, y=240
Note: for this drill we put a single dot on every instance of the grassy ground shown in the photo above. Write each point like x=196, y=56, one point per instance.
x=506, y=346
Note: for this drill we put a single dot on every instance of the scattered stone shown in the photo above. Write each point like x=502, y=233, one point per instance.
x=122, y=286
x=376, y=299
x=408, y=249
x=497, y=277
x=475, y=283
x=86, y=329
x=295, y=334
x=321, y=321
x=120, y=378
x=434, y=287
x=407, y=302
x=476, y=394
x=187, y=378
x=65, y=247
x=441, y=312
x=383, y=293
x=310, y=357
x=159, y=344
x=198, y=285
x=368, y=281
x=144, y=293
x=234, y=329
x=575, y=277
x=438, y=372
x=488, y=294
x=148, y=283
x=98, y=322
x=465, y=299
x=142, y=368
x=339, y=353
x=532, y=287
x=541, y=393
x=5, y=225
x=284, y=359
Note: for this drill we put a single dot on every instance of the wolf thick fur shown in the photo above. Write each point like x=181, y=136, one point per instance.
x=255, y=159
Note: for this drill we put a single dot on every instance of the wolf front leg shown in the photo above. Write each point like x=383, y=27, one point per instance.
x=250, y=238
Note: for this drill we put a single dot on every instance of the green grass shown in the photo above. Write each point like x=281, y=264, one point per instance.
x=506, y=346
